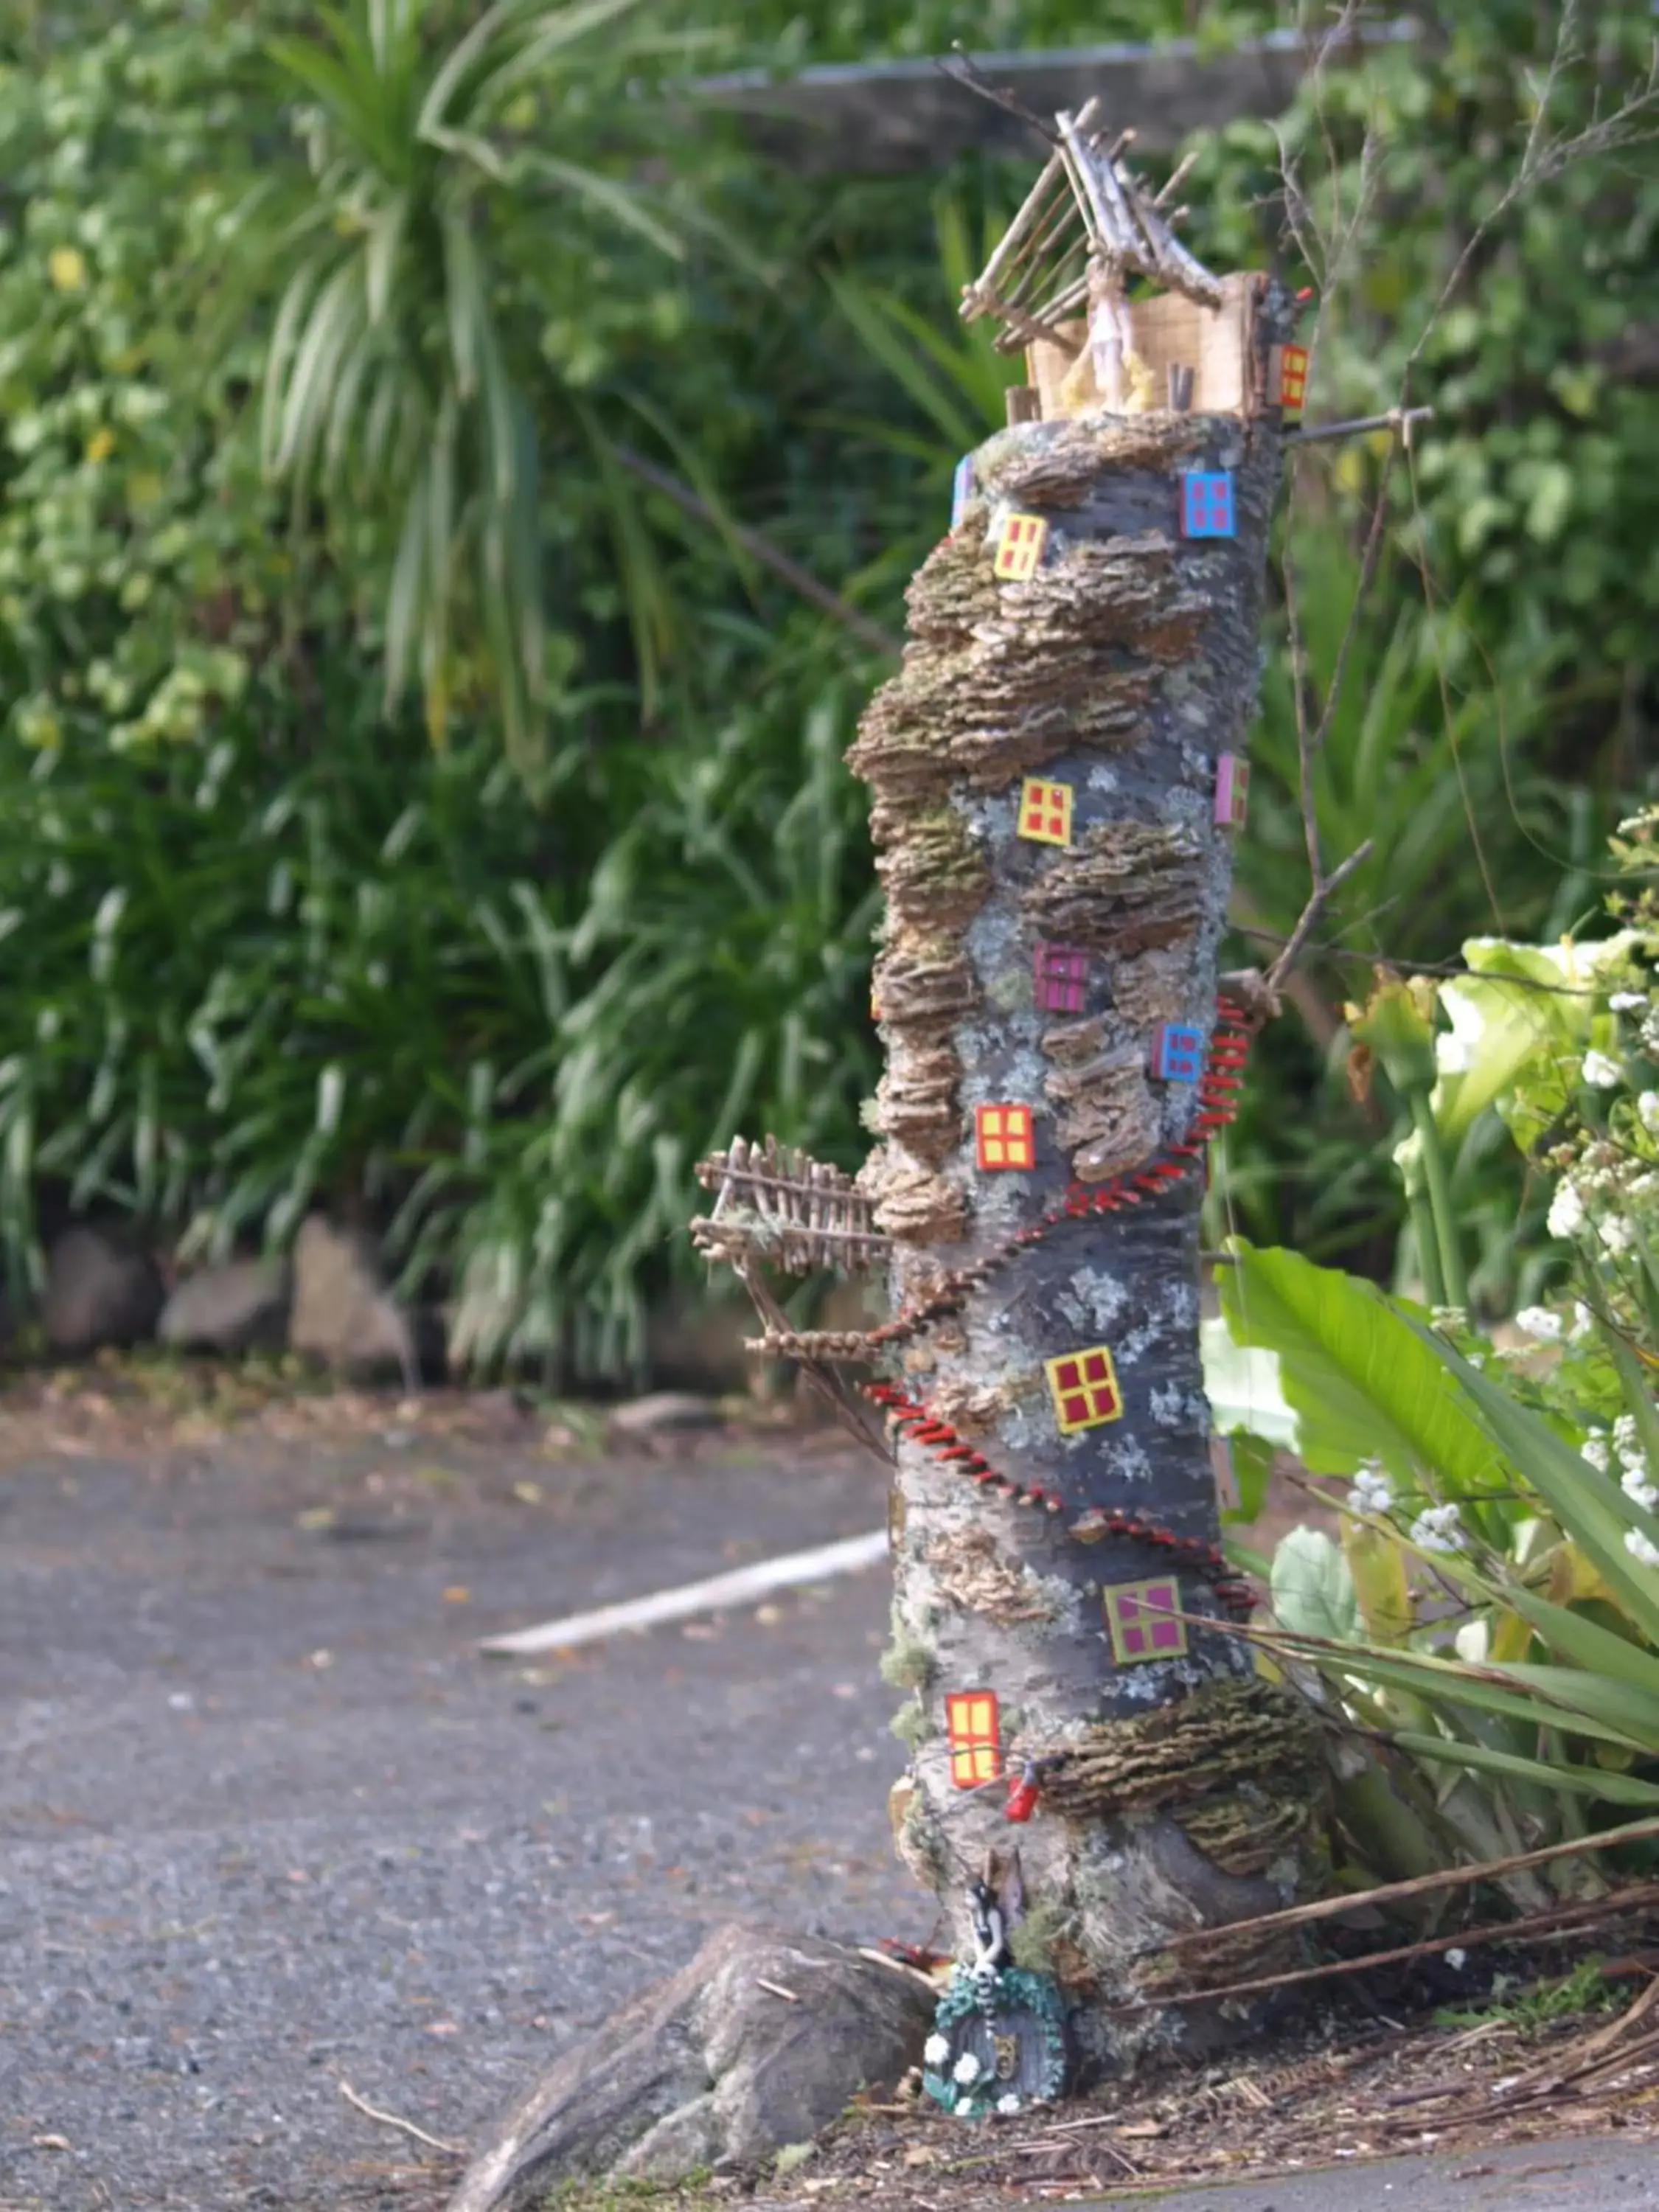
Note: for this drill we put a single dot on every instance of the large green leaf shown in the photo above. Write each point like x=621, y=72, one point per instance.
x=1313, y=1592
x=1355, y=1369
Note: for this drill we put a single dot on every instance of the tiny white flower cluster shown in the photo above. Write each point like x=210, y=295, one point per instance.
x=1634, y=1478
x=966, y=2069
x=1597, y=1450
x=1599, y=1070
x=1628, y=1002
x=1647, y=1112
x=1438, y=1529
x=1008, y=2105
x=1539, y=1322
x=1642, y=1547
x=1372, y=1491
x=1566, y=1214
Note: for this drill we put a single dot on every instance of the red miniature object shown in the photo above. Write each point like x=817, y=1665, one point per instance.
x=1022, y=1794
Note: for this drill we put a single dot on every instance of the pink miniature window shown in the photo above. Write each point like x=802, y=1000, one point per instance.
x=1139, y=1618
x=1060, y=977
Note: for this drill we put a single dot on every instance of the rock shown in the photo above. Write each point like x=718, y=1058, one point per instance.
x=708, y=2069
x=238, y=1307
x=664, y=1409
x=342, y=1313
x=100, y=1291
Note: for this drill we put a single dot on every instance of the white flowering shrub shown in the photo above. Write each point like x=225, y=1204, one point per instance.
x=1492, y=1603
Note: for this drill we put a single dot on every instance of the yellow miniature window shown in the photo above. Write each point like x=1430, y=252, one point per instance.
x=1045, y=810
x=970, y=1718
x=1005, y=1136
x=1020, y=545
x=1084, y=1386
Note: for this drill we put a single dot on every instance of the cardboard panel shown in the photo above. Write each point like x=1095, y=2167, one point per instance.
x=1171, y=331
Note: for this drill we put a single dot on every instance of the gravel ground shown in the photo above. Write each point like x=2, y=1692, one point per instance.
x=270, y=1824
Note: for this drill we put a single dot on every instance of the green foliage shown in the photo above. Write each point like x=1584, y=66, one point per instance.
x=511, y=1033
x=139, y=572
x=468, y=185
x=1493, y=1608
x=1568, y=1996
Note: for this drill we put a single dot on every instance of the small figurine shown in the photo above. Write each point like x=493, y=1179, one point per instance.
x=999, y=2039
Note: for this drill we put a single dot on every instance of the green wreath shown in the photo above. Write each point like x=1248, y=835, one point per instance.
x=976, y=2095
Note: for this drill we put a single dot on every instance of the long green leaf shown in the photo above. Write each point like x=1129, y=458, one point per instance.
x=1578, y=1781
x=1589, y=1506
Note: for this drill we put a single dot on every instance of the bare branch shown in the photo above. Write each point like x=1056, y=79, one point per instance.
x=1324, y=890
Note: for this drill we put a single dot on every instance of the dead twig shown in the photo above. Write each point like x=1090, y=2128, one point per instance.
x=1422, y=1885
x=1558, y=1918
x=775, y=1989
x=405, y=2127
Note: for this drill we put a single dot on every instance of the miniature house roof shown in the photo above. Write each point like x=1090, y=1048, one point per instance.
x=1086, y=217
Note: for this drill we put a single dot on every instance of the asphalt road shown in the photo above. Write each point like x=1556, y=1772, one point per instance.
x=268, y=1823
x=1596, y=2177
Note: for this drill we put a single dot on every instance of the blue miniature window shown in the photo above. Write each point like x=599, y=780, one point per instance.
x=1177, y=1053
x=1206, y=504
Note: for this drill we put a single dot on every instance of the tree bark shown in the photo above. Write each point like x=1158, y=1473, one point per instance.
x=1172, y=1790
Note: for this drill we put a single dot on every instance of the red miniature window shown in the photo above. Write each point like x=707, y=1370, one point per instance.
x=1083, y=1386
x=971, y=1719
x=1060, y=978
x=1045, y=810
x=1005, y=1136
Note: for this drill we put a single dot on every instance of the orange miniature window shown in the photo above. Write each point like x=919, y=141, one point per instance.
x=1083, y=1386
x=1005, y=1136
x=971, y=1719
x=1293, y=377
x=1045, y=810
x=1020, y=544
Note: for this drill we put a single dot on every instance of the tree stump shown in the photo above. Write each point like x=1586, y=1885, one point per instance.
x=1057, y=777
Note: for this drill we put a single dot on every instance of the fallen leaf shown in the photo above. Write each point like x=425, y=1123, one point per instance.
x=457, y=1594
x=315, y=1516
x=528, y=1493
x=768, y=1615
x=442, y=2028
x=319, y=1659
x=50, y=2142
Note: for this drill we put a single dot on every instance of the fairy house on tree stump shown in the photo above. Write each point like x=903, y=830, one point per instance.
x=1059, y=776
